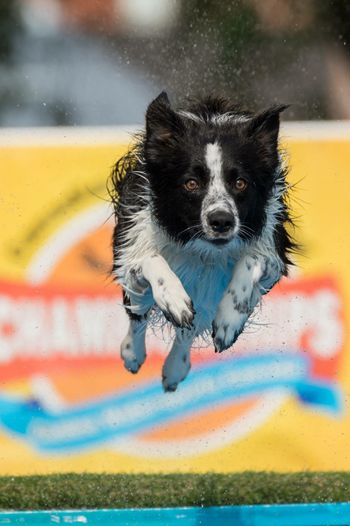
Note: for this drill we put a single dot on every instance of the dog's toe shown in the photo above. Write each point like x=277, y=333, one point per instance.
x=132, y=360
x=171, y=388
x=132, y=366
x=176, y=306
x=187, y=320
x=225, y=337
x=218, y=345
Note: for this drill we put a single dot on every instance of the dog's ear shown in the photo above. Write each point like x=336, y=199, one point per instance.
x=265, y=125
x=161, y=121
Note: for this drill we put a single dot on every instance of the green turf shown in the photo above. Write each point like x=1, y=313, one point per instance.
x=124, y=491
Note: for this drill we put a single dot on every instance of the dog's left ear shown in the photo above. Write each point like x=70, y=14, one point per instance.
x=265, y=126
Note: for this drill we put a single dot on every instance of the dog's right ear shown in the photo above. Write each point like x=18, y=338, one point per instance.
x=162, y=122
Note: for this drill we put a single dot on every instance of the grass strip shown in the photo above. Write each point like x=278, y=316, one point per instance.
x=78, y=491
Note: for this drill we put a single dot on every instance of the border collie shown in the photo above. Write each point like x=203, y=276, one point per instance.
x=200, y=206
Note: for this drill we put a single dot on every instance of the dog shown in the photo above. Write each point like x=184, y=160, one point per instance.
x=201, y=211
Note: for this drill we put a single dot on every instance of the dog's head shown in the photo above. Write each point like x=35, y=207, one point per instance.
x=212, y=168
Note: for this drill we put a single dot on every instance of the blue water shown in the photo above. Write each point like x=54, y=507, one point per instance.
x=262, y=515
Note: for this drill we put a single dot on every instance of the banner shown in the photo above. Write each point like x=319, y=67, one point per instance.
x=276, y=401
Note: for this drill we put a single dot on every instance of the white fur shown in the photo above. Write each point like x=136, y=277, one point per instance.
x=217, y=197
x=220, y=118
x=239, y=300
x=177, y=363
x=258, y=269
x=155, y=270
x=133, y=351
x=168, y=291
x=190, y=115
x=228, y=117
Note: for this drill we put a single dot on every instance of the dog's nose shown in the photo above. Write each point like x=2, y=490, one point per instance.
x=221, y=221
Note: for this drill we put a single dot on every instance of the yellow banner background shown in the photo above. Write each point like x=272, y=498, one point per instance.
x=45, y=184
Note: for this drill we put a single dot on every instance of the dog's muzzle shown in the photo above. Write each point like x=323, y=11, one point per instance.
x=219, y=226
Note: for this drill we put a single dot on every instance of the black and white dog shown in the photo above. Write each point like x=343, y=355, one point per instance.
x=200, y=205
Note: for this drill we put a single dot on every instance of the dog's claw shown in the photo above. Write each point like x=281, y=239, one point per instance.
x=169, y=317
x=230, y=320
x=221, y=345
x=185, y=322
x=218, y=345
x=213, y=335
x=190, y=306
x=225, y=340
x=177, y=309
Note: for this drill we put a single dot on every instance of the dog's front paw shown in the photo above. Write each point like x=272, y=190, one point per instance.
x=175, y=304
x=229, y=321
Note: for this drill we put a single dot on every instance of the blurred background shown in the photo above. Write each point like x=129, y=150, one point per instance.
x=99, y=62
x=75, y=79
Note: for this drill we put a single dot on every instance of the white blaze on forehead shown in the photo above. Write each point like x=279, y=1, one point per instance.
x=213, y=158
x=217, y=195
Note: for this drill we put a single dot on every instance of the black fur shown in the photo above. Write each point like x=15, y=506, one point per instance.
x=171, y=151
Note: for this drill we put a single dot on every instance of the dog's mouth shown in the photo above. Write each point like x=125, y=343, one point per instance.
x=217, y=241
x=220, y=241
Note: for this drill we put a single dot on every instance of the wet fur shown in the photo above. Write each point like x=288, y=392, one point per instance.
x=166, y=256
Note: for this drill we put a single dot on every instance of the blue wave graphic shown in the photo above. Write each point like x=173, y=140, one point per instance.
x=138, y=410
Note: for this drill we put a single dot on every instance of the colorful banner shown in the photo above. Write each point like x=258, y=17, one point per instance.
x=278, y=400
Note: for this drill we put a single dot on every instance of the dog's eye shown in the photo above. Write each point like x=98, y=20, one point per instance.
x=191, y=185
x=240, y=184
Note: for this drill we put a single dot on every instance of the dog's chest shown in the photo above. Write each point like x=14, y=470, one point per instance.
x=205, y=280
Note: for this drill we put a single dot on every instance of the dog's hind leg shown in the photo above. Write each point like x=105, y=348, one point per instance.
x=132, y=349
x=178, y=362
